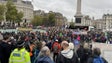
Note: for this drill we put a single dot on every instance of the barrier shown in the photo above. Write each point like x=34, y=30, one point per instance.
x=16, y=30
x=8, y=30
x=106, y=50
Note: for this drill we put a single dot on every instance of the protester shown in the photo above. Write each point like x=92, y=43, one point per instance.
x=48, y=38
x=1, y=51
x=32, y=51
x=66, y=55
x=49, y=44
x=80, y=53
x=71, y=46
x=87, y=53
x=56, y=49
x=96, y=58
x=44, y=56
x=5, y=49
x=43, y=43
x=76, y=43
x=36, y=51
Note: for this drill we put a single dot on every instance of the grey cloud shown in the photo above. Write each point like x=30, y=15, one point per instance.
x=68, y=7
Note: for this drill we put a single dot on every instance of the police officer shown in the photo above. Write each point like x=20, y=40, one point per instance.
x=20, y=55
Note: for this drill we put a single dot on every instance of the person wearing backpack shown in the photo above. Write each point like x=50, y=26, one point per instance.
x=56, y=47
x=96, y=58
x=66, y=55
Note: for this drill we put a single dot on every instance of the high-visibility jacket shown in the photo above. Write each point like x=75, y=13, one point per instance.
x=19, y=56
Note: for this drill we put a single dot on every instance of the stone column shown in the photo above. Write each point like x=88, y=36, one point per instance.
x=78, y=12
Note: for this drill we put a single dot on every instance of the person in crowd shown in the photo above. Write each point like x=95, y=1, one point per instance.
x=43, y=43
x=96, y=58
x=1, y=38
x=80, y=53
x=49, y=44
x=84, y=52
x=5, y=49
x=36, y=50
x=71, y=46
x=56, y=47
x=78, y=37
x=1, y=48
x=20, y=54
x=32, y=51
x=49, y=36
x=76, y=43
x=66, y=55
x=44, y=56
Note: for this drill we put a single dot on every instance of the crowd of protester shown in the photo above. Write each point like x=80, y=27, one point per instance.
x=54, y=46
x=101, y=37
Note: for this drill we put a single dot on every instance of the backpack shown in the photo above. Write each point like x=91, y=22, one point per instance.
x=98, y=60
x=56, y=47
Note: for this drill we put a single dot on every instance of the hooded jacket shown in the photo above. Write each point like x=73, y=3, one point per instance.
x=67, y=56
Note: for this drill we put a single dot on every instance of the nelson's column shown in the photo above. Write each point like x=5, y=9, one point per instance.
x=78, y=16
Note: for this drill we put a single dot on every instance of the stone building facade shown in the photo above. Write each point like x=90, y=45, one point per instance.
x=108, y=21
x=105, y=23
x=60, y=19
x=99, y=24
x=24, y=6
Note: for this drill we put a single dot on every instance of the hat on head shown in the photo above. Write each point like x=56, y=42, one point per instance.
x=20, y=43
x=56, y=40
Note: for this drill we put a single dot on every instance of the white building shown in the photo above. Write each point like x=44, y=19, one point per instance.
x=105, y=23
x=108, y=21
x=86, y=21
x=99, y=24
x=25, y=6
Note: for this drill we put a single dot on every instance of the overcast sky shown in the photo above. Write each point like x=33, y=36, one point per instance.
x=92, y=8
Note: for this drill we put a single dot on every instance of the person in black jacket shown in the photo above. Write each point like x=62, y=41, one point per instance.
x=80, y=53
x=66, y=55
x=84, y=52
x=5, y=50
